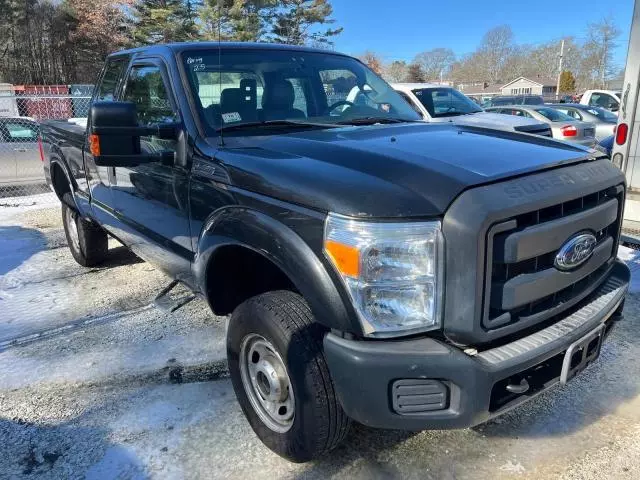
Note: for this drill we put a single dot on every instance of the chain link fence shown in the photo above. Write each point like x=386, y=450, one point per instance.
x=21, y=113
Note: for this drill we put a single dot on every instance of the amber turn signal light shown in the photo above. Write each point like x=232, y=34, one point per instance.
x=94, y=144
x=345, y=257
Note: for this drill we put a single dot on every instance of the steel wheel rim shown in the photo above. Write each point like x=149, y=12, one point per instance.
x=266, y=382
x=73, y=228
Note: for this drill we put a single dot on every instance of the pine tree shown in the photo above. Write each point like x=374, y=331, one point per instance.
x=567, y=82
x=415, y=73
x=163, y=21
x=294, y=22
x=236, y=20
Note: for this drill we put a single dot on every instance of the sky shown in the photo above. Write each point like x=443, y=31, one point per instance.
x=399, y=29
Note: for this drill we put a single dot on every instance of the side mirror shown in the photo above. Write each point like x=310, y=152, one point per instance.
x=114, y=139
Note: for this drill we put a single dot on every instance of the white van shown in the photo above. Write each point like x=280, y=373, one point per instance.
x=626, y=147
x=8, y=103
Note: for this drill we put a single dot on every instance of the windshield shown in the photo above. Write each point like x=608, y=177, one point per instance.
x=445, y=102
x=286, y=88
x=554, y=115
x=602, y=114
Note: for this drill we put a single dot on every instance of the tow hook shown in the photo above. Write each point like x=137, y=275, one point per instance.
x=519, y=388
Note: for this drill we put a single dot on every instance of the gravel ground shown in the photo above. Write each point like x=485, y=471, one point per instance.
x=98, y=383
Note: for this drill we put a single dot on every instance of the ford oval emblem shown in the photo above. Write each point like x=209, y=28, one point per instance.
x=575, y=251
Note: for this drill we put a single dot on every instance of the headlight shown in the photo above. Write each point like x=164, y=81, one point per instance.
x=392, y=271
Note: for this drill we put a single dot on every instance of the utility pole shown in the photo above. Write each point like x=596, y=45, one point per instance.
x=560, y=69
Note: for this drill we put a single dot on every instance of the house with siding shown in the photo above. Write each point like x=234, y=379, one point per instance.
x=526, y=86
x=479, y=88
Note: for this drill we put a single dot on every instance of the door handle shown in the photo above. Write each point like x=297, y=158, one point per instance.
x=21, y=149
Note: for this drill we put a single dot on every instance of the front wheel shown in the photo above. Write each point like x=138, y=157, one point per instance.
x=281, y=378
x=87, y=241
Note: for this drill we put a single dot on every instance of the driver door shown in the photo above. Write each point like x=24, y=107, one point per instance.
x=152, y=199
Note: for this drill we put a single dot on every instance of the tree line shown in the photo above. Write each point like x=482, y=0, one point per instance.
x=62, y=42
x=65, y=41
x=587, y=63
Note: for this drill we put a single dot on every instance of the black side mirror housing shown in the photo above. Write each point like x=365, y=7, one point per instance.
x=115, y=135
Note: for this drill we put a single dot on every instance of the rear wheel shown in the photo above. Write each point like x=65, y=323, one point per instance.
x=281, y=378
x=87, y=241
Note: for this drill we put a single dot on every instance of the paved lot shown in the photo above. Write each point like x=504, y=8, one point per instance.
x=97, y=383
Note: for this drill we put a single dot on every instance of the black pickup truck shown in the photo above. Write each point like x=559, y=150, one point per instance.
x=375, y=268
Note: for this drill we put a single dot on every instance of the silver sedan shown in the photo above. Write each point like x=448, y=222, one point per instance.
x=604, y=120
x=563, y=127
x=20, y=162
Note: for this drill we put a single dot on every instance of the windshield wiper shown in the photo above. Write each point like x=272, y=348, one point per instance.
x=372, y=121
x=274, y=123
x=455, y=114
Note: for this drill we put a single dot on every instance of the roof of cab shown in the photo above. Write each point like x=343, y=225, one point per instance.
x=185, y=46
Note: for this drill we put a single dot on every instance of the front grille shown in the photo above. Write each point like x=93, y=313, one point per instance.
x=542, y=130
x=522, y=285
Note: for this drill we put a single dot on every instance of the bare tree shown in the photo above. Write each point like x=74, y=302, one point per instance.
x=496, y=48
x=598, y=50
x=435, y=63
x=491, y=60
x=395, y=71
x=372, y=60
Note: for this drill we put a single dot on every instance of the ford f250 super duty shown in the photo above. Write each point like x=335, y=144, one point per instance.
x=376, y=268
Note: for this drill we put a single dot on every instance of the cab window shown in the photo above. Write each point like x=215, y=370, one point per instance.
x=571, y=112
x=409, y=101
x=113, y=72
x=146, y=88
x=603, y=100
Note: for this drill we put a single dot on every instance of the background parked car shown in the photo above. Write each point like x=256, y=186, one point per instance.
x=562, y=125
x=20, y=162
x=439, y=103
x=607, y=99
x=604, y=120
x=501, y=100
x=606, y=145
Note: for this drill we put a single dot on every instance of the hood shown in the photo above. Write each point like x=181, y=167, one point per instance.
x=388, y=171
x=491, y=120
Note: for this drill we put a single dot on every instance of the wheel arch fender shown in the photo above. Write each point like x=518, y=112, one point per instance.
x=245, y=227
x=57, y=162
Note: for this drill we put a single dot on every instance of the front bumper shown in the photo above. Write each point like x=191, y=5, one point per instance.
x=364, y=372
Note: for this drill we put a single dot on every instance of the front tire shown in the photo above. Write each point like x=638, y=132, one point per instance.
x=280, y=376
x=87, y=241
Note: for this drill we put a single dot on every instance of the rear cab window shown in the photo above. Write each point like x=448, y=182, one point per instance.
x=554, y=115
x=445, y=102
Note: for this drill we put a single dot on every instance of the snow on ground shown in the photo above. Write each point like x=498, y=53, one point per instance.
x=16, y=206
x=632, y=258
x=97, y=383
